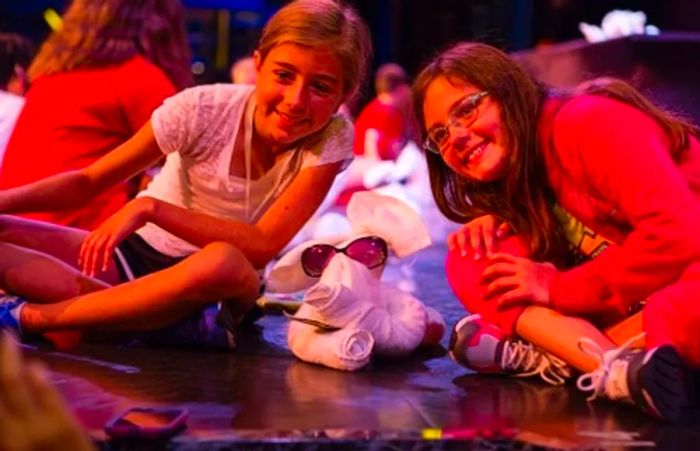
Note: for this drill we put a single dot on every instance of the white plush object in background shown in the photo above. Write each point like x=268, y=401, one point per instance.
x=616, y=24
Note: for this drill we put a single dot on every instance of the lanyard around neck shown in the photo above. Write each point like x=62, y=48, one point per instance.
x=248, y=151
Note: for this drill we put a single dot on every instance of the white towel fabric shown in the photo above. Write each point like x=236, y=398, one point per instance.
x=373, y=316
x=350, y=296
x=346, y=349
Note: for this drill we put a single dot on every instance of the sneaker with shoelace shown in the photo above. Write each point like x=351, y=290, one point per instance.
x=484, y=348
x=653, y=380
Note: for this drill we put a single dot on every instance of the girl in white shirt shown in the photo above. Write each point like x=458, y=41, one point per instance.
x=245, y=168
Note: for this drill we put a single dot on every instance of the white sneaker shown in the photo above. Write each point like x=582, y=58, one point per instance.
x=483, y=347
x=653, y=380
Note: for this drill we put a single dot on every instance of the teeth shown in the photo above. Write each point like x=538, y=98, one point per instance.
x=290, y=118
x=478, y=151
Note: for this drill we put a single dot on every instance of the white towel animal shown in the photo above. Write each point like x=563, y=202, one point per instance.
x=345, y=349
x=373, y=316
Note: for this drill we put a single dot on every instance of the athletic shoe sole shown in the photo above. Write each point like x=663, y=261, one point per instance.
x=661, y=384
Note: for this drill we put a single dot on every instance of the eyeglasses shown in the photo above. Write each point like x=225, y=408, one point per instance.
x=371, y=251
x=462, y=115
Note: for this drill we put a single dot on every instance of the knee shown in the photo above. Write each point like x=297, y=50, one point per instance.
x=464, y=272
x=464, y=277
x=228, y=272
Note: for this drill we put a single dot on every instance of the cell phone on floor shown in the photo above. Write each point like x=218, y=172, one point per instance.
x=148, y=423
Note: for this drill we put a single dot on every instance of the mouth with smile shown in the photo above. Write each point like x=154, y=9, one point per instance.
x=290, y=120
x=474, y=153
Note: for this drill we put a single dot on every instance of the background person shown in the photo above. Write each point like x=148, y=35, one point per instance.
x=15, y=54
x=385, y=125
x=94, y=83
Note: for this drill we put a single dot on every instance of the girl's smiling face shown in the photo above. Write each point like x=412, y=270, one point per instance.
x=298, y=90
x=477, y=151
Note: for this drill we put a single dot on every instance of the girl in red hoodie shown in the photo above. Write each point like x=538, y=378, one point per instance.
x=598, y=189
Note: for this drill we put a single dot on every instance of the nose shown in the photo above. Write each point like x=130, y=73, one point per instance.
x=295, y=95
x=459, y=139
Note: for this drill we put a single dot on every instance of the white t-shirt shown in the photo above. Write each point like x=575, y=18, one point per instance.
x=10, y=107
x=197, y=129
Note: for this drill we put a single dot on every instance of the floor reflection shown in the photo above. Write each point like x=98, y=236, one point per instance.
x=261, y=392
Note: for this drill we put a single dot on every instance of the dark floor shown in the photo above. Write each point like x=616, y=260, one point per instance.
x=262, y=397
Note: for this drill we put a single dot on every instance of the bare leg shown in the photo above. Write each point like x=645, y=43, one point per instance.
x=559, y=335
x=39, y=261
x=41, y=277
x=218, y=271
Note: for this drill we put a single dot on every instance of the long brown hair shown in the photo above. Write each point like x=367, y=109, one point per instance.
x=97, y=33
x=311, y=23
x=523, y=198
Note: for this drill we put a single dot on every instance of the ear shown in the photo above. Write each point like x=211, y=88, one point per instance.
x=258, y=59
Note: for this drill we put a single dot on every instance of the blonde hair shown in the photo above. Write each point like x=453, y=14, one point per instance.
x=97, y=33
x=314, y=23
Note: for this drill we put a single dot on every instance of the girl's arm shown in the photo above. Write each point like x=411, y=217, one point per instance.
x=73, y=189
x=625, y=157
x=260, y=242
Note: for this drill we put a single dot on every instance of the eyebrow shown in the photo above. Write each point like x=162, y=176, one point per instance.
x=324, y=77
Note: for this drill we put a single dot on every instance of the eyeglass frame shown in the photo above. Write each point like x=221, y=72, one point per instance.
x=473, y=100
x=383, y=247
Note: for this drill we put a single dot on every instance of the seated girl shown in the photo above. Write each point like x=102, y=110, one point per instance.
x=246, y=167
x=600, y=189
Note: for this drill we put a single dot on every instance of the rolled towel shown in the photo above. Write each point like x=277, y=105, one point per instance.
x=349, y=295
x=399, y=326
x=396, y=320
x=345, y=349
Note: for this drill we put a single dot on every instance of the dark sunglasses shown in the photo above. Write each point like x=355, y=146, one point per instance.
x=371, y=251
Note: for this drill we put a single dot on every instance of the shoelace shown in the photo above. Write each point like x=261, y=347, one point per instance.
x=521, y=356
x=610, y=364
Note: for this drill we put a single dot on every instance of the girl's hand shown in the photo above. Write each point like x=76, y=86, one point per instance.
x=477, y=237
x=516, y=280
x=98, y=247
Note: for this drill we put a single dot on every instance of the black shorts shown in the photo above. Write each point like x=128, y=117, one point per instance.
x=135, y=258
x=212, y=327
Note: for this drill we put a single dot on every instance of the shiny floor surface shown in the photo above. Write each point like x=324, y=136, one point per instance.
x=262, y=397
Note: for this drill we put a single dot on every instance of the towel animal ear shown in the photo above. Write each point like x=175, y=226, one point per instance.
x=387, y=217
